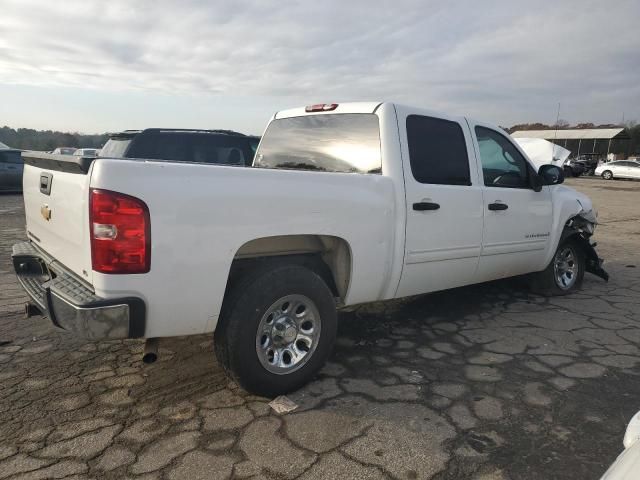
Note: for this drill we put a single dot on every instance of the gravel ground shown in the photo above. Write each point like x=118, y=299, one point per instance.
x=484, y=382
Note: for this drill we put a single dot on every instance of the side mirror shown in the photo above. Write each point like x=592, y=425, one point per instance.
x=551, y=175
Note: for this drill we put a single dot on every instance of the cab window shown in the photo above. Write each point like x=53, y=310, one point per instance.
x=437, y=151
x=502, y=164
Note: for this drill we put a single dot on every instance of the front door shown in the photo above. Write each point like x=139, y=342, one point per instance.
x=517, y=219
x=443, y=202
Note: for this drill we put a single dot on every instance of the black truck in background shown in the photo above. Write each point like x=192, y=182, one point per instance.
x=224, y=147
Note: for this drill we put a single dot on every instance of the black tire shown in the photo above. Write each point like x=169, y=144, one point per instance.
x=547, y=283
x=607, y=175
x=244, y=307
x=568, y=172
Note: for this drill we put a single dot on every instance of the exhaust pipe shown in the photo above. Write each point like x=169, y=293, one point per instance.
x=31, y=310
x=150, y=353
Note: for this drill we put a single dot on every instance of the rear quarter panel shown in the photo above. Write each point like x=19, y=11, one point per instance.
x=202, y=214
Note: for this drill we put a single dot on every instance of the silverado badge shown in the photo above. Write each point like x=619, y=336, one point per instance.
x=46, y=212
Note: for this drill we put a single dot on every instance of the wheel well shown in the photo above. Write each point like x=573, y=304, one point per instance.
x=571, y=232
x=328, y=256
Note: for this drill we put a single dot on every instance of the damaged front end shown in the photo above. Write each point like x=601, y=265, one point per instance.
x=580, y=228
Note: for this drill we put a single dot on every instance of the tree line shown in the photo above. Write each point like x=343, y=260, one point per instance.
x=47, y=140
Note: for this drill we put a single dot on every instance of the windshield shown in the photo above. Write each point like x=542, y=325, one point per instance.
x=348, y=142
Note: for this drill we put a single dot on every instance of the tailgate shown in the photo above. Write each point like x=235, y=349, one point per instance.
x=56, y=197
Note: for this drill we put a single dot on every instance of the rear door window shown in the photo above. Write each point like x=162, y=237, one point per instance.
x=346, y=142
x=437, y=151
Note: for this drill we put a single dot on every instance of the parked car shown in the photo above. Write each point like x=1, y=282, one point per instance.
x=64, y=151
x=345, y=204
x=574, y=168
x=200, y=146
x=590, y=161
x=619, y=169
x=86, y=152
x=627, y=465
x=11, y=167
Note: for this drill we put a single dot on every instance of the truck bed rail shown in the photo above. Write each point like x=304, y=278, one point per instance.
x=61, y=163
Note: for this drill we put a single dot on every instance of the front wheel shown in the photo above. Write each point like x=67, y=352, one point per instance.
x=276, y=329
x=564, y=273
x=607, y=174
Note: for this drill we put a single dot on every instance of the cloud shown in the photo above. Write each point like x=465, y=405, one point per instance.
x=496, y=59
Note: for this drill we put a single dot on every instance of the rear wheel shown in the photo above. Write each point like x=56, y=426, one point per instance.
x=607, y=174
x=565, y=272
x=276, y=329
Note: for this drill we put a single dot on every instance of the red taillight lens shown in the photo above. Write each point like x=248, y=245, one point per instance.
x=321, y=107
x=120, y=233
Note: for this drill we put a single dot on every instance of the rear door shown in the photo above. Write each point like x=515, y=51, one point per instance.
x=634, y=170
x=16, y=167
x=443, y=201
x=625, y=169
x=517, y=219
x=10, y=170
x=56, y=196
x=5, y=173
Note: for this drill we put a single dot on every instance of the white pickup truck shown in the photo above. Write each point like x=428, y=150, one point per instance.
x=344, y=204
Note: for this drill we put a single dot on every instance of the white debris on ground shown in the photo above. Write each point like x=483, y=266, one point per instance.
x=283, y=404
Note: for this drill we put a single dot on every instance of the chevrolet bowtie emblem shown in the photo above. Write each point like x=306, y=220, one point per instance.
x=46, y=212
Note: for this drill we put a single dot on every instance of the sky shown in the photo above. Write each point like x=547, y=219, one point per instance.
x=95, y=66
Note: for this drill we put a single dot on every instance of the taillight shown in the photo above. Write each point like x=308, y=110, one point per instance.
x=120, y=233
x=321, y=107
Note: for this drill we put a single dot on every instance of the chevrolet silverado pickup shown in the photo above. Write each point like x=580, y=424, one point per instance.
x=344, y=204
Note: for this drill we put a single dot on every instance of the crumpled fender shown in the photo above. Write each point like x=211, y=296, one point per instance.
x=593, y=263
x=567, y=204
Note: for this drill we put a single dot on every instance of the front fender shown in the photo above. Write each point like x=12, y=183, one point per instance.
x=567, y=204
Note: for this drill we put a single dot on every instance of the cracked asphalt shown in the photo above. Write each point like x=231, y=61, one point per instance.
x=484, y=382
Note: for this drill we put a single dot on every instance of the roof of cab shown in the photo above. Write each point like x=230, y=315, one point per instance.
x=350, y=107
x=360, y=107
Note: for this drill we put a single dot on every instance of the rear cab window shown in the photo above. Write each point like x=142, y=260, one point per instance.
x=342, y=142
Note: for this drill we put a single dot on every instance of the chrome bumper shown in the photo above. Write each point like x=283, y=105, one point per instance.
x=70, y=303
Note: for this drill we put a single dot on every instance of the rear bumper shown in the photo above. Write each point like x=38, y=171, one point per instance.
x=70, y=303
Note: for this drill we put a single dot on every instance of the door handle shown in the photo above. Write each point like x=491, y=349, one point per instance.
x=498, y=206
x=422, y=206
